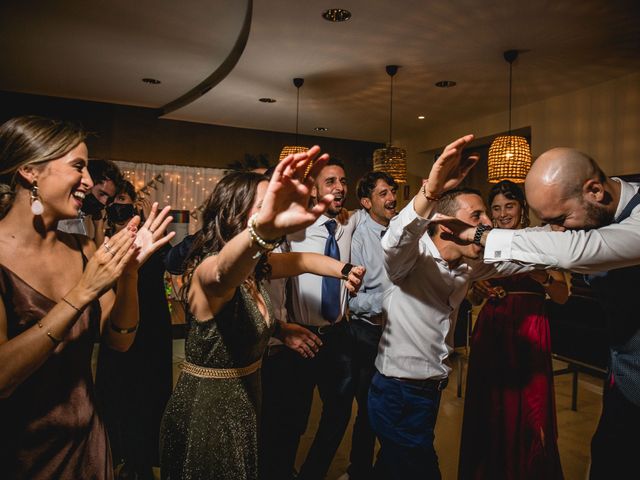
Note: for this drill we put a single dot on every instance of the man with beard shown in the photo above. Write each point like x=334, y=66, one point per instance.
x=106, y=179
x=597, y=229
x=319, y=304
x=377, y=194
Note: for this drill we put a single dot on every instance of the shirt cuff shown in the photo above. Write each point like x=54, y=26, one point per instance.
x=498, y=246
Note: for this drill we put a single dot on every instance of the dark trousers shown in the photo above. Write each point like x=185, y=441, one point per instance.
x=365, y=348
x=403, y=416
x=616, y=443
x=278, y=440
x=330, y=370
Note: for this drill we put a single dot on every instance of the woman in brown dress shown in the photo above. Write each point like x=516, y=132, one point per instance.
x=55, y=297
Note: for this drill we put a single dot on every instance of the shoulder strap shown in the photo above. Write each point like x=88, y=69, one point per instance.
x=633, y=203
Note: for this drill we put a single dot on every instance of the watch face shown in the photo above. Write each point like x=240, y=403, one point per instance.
x=346, y=269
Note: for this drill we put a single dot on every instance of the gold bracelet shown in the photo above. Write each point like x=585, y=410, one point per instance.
x=71, y=305
x=435, y=198
x=54, y=340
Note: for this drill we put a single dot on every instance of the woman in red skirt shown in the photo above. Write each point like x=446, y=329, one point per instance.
x=509, y=428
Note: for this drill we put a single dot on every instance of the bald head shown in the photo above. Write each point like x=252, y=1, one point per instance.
x=563, y=171
x=567, y=188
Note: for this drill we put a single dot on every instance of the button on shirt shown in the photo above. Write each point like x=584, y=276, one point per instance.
x=306, y=289
x=607, y=248
x=423, y=300
x=366, y=250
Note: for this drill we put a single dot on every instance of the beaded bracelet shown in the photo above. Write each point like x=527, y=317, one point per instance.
x=267, y=245
x=435, y=198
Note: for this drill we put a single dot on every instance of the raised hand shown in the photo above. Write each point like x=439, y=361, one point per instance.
x=285, y=208
x=151, y=236
x=450, y=168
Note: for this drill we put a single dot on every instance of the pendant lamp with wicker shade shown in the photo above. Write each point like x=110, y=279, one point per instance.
x=391, y=160
x=291, y=149
x=509, y=155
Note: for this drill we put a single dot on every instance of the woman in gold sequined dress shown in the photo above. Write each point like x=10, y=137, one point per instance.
x=209, y=429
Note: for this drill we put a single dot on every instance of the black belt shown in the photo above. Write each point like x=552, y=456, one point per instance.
x=274, y=349
x=326, y=329
x=438, y=383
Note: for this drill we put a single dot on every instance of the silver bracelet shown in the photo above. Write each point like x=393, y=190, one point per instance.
x=267, y=245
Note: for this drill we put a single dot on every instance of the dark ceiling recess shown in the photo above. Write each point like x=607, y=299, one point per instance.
x=336, y=15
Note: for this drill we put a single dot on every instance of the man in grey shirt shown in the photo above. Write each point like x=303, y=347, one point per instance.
x=377, y=194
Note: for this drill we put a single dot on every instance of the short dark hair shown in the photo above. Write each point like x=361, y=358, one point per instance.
x=368, y=182
x=102, y=170
x=127, y=187
x=448, y=204
x=335, y=162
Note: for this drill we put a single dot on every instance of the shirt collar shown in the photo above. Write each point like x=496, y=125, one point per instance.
x=627, y=191
x=373, y=225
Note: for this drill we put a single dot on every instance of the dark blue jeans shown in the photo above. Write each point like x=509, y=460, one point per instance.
x=403, y=416
x=365, y=348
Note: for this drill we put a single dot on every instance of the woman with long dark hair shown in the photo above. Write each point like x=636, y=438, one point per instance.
x=210, y=426
x=55, y=297
x=509, y=428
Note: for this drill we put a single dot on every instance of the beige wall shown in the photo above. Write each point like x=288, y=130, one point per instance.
x=602, y=120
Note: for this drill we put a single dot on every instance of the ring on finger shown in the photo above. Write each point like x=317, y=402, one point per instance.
x=107, y=247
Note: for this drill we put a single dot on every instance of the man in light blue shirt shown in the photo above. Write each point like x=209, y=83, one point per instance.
x=377, y=194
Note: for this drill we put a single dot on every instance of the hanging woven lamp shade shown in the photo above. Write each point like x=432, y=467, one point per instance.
x=509, y=155
x=290, y=150
x=391, y=160
x=509, y=159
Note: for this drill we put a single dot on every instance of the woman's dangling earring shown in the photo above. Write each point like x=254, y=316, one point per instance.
x=36, y=205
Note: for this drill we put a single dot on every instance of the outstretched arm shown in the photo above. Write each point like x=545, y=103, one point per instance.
x=285, y=209
x=291, y=264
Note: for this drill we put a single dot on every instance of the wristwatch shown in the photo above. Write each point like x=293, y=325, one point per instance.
x=346, y=270
x=480, y=229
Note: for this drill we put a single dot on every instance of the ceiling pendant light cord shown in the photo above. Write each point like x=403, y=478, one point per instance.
x=298, y=115
x=510, y=87
x=391, y=112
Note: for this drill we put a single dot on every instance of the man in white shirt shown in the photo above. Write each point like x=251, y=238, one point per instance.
x=320, y=306
x=431, y=276
x=597, y=228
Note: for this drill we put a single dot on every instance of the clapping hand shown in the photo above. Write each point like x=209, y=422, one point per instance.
x=285, y=208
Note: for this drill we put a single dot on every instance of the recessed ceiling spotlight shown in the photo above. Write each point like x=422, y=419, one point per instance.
x=336, y=15
x=420, y=117
x=321, y=129
x=267, y=100
x=151, y=81
x=445, y=84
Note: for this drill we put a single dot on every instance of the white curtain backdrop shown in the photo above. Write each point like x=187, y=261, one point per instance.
x=184, y=188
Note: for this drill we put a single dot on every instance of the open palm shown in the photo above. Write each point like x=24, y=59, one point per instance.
x=151, y=236
x=285, y=207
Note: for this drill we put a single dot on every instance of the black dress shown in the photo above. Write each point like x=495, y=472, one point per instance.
x=209, y=430
x=133, y=387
